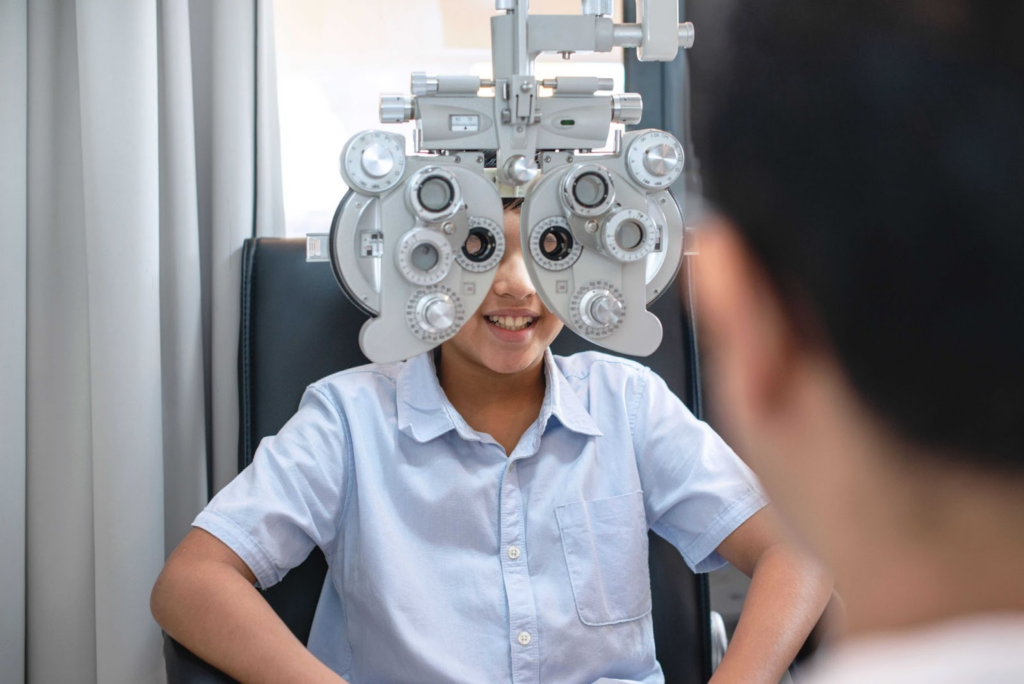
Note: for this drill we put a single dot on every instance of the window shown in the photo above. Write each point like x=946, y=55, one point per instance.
x=335, y=58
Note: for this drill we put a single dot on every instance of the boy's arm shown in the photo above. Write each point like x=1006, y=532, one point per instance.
x=788, y=593
x=206, y=600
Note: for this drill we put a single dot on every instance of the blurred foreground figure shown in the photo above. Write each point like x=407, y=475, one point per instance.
x=863, y=303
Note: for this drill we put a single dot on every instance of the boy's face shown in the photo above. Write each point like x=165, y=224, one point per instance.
x=512, y=328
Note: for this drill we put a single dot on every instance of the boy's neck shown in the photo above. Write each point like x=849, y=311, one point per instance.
x=502, y=405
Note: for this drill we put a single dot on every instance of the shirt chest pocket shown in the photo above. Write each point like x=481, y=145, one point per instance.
x=605, y=545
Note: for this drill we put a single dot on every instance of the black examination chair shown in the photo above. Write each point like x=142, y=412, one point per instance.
x=298, y=327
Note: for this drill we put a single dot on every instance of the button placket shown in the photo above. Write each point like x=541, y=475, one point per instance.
x=518, y=587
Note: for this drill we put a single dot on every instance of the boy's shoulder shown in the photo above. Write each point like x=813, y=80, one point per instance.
x=593, y=365
x=375, y=379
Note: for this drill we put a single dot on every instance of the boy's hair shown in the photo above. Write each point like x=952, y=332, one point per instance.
x=871, y=154
x=512, y=203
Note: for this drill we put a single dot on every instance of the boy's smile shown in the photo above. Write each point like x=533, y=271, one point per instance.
x=512, y=328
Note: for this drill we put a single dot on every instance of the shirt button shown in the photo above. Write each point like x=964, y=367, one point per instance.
x=524, y=638
x=513, y=552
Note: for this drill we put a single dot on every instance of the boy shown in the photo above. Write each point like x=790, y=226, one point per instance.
x=484, y=511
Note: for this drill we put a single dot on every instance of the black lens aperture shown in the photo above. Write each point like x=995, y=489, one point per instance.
x=556, y=243
x=480, y=245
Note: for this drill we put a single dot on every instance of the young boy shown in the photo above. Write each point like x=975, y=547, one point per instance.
x=484, y=512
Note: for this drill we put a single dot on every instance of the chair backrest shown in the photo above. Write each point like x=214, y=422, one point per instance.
x=297, y=327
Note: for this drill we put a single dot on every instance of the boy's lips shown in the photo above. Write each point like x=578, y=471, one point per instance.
x=511, y=325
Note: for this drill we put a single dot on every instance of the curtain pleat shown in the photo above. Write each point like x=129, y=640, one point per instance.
x=60, y=565
x=117, y=45
x=13, y=302
x=181, y=294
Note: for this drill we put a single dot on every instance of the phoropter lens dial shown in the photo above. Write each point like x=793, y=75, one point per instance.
x=588, y=190
x=552, y=244
x=434, y=194
x=630, y=235
x=484, y=246
x=424, y=256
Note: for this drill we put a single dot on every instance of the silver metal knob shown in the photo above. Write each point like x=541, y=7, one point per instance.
x=504, y=5
x=436, y=312
x=686, y=35
x=377, y=161
x=627, y=108
x=520, y=170
x=396, y=109
x=661, y=160
x=598, y=8
x=606, y=310
x=421, y=84
x=601, y=309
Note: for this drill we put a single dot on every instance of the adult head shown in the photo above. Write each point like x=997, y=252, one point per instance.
x=863, y=292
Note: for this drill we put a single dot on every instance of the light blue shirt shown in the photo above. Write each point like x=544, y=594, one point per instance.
x=452, y=562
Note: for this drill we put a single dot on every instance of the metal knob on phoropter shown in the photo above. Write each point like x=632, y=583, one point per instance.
x=422, y=84
x=373, y=162
x=654, y=158
x=627, y=108
x=377, y=160
x=435, y=313
x=520, y=171
x=601, y=309
x=661, y=160
x=597, y=8
x=396, y=109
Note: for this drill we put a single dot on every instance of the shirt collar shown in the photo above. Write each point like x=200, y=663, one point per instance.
x=424, y=412
x=561, y=401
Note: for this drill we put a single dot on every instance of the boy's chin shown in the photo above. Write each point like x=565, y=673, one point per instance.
x=510, y=366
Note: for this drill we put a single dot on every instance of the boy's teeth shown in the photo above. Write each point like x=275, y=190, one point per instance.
x=511, y=322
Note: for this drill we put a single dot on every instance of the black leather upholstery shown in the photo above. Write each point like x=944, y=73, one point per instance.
x=297, y=327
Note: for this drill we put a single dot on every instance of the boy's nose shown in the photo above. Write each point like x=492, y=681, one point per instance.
x=512, y=278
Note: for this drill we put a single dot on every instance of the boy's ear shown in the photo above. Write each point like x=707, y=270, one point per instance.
x=749, y=340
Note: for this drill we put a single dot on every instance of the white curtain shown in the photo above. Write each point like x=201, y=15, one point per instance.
x=138, y=149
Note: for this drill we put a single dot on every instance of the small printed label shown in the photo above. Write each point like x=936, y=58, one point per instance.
x=316, y=247
x=465, y=123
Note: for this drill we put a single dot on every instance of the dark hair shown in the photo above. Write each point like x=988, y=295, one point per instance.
x=512, y=203
x=871, y=153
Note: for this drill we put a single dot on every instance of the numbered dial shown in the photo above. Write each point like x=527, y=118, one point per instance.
x=630, y=235
x=655, y=159
x=588, y=190
x=434, y=194
x=552, y=245
x=435, y=314
x=597, y=309
x=424, y=257
x=373, y=162
x=484, y=246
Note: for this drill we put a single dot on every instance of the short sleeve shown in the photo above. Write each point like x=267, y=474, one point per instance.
x=696, y=489
x=293, y=495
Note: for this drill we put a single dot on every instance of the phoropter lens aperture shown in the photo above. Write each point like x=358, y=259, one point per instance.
x=556, y=243
x=424, y=256
x=480, y=245
x=629, y=236
x=435, y=194
x=590, y=190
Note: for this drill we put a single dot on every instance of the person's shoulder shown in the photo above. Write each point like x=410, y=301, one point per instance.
x=370, y=382
x=592, y=366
